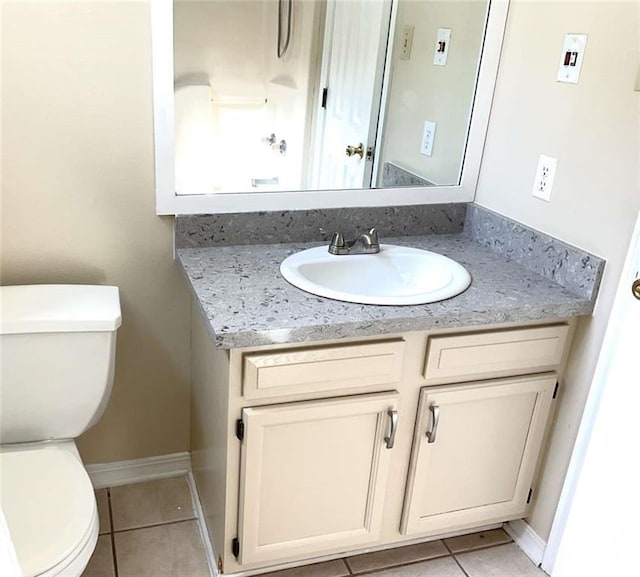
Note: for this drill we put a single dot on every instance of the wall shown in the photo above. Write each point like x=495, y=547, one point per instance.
x=423, y=91
x=232, y=45
x=78, y=202
x=592, y=128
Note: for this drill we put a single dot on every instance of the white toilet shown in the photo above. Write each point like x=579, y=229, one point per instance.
x=57, y=356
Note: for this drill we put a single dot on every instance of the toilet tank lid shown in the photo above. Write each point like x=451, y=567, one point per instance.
x=59, y=308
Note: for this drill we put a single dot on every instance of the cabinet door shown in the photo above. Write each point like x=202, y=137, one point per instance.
x=313, y=475
x=474, y=452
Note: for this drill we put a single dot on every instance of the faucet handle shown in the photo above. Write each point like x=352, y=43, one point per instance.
x=337, y=244
x=337, y=240
x=373, y=235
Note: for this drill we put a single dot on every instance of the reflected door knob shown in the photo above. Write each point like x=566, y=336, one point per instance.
x=635, y=288
x=353, y=150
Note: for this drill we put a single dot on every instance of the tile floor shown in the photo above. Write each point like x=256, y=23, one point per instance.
x=150, y=530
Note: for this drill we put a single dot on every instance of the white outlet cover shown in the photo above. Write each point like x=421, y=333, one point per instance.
x=571, y=58
x=442, y=47
x=545, y=175
x=428, y=136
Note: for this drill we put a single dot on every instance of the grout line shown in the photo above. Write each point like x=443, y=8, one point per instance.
x=162, y=524
x=114, y=559
x=459, y=565
x=444, y=542
x=398, y=565
x=346, y=563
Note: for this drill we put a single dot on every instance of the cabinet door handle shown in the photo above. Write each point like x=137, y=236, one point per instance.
x=435, y=418
x=391, y=439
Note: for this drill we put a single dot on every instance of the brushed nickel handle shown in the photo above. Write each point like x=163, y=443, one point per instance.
x=391, y=439
x=353, y=150
x=635, y=288
x=435, y=419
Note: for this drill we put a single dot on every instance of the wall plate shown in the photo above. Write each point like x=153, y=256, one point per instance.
x=407, y=42
x=442, y=47
x=545, y=175
x=571, y=58
x=428, y=136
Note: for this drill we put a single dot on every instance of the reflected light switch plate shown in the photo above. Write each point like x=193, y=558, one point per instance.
x=407, y=41
x=442, y=47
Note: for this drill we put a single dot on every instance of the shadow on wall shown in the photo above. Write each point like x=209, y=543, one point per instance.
x=149, y=386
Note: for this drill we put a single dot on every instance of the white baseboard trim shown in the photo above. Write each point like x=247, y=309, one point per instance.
x=136, y=470
x=202, y=524
x=527, y=539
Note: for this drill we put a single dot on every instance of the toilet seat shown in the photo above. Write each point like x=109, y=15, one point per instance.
x=50, y=508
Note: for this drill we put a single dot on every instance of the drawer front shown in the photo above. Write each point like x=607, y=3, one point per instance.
x=296, y=371
x=473, y=356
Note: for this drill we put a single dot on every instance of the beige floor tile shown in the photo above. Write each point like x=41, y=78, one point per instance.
x=151, y=503
x=103, y=511
x=101, y=562
x=442, y=567
x=501, y=561
x=328, y=569
x=174, y=550
x=399, y=556
x=478, y=540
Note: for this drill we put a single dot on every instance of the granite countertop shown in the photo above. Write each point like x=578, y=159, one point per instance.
x=240, y=291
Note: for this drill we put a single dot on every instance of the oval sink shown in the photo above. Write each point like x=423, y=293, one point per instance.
x=397, y=275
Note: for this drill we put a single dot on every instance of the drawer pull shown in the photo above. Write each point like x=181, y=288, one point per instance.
x=435, y=419
x=391, y=439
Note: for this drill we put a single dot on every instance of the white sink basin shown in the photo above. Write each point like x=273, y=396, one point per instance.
x=397, y=275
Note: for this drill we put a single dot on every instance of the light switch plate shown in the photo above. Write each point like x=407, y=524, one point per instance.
x=407, y=41
x=442, y=47
x=428, y=136
x=571, y=58
x=545, y=175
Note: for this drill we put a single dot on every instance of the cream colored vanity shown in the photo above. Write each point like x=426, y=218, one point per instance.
x=312, y=449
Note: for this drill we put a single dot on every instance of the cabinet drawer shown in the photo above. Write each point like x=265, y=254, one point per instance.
x=288, y=372
x=504, y=352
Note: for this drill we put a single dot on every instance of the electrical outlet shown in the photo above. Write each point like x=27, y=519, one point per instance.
x=428, y=136
x=546, y=173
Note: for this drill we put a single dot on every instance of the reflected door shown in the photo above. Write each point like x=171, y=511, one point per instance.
x=355, y=31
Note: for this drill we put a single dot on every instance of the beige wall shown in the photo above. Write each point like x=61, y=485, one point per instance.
x=592, y=129
x=78, y=202
x=423, y=91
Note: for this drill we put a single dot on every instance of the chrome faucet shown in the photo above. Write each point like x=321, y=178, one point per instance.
x=366, y=243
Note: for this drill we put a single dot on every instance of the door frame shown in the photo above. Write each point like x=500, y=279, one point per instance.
x=586, y=436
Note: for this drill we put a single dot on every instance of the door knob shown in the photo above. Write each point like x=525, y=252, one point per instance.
x=635, y=288
x=353, y=150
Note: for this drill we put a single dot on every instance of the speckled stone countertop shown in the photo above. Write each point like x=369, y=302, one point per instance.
x=247, y=302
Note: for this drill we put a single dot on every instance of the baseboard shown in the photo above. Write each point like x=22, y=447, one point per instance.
x=137, y=470
x=527, y=539
x=202, y=524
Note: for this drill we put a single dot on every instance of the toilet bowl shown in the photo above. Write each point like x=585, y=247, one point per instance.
x=58, y=351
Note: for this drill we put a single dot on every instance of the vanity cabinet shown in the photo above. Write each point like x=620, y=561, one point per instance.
x=313, y=475
x=314, y=449
x=475, y=449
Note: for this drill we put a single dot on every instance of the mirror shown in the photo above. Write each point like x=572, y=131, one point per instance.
x=270, y=104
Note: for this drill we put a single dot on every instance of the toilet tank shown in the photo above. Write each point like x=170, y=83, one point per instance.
x=57, y=358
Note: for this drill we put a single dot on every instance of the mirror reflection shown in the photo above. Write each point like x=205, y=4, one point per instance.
x=323, y=94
